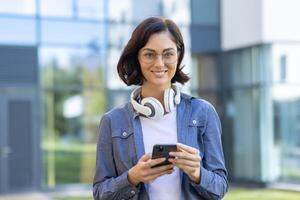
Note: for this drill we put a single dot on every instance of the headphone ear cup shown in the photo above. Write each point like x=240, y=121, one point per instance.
x=169, y=100
x=155, y=106
x=177, y=94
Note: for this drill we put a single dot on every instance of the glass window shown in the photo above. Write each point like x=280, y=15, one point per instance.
x=119, y=34
x=73, y=33
x=91, y=9
x=120, y=10
x=286, y=126
x=51, y=8
x=114, y=82
x=10, y=31
x=205, y=12
x=206, y=71
x=71, y=67
x=143, y=9
x=71, y=120
x=24, y=7
x=283, y=68
x=73, y=101
x=185, y=31
x=179, y=11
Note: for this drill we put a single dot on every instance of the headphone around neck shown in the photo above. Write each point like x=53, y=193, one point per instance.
x=151, y=107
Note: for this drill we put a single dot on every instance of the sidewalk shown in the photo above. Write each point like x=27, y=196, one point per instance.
x=47, y=195
x=26, y=196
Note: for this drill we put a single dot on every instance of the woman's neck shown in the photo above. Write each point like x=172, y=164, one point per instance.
x=154, y=91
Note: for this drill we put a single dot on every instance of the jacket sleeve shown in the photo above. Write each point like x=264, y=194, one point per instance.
x=213, y=175
x=107, y=183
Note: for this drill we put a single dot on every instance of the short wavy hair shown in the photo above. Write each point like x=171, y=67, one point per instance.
x=129, y=68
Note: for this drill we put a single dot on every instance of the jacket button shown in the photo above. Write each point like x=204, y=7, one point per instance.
x=124, y=134
x=194, y=122
x=132, y=192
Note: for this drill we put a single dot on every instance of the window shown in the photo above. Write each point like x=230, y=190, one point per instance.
x=283, y=68
x=23, y=7
x=91, y=9
x=73, y=101
x=10, y=31
x=51, y=8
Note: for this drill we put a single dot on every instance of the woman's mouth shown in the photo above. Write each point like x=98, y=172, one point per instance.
x=159, y=72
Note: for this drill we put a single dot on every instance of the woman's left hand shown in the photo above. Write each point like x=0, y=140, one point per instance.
x=188, y=159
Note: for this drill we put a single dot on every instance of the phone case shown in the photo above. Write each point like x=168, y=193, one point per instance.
x=162, y=151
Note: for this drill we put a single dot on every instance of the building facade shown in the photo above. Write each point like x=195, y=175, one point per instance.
x=58, y=76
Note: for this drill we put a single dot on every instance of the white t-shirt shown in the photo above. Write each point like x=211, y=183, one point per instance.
x=162, y=131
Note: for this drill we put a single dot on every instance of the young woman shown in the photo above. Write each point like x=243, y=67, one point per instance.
x=159, y=113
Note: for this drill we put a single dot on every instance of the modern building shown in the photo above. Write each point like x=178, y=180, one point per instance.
x=58, y=76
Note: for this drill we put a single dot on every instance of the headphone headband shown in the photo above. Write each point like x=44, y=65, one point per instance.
x=151, y=107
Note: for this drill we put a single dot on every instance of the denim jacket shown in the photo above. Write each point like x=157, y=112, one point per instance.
x=120, y=145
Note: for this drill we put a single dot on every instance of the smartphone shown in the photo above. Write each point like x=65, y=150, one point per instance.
x=162, y=151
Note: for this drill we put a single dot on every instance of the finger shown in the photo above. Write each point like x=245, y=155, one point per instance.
x=182, y=162
x=187, y=148
x=187, y=169
x=155, y=176
x=150, y=163
x=145, y=157
x=186, y=156
x=153, y=162
x=160, y=169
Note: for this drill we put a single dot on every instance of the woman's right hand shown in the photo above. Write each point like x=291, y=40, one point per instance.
x=142, y=171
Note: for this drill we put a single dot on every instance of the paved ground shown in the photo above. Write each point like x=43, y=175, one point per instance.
x=26, y=196
x=46, y=195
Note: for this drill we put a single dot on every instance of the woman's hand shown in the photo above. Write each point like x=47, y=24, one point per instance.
x=188, y=159
x=142, y=171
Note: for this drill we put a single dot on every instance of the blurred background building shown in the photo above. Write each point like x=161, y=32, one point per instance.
x=58, y=76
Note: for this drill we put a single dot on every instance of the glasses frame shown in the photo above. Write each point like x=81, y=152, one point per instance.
x=156, y=56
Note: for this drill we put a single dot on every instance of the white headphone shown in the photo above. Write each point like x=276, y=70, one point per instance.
x=151, y=107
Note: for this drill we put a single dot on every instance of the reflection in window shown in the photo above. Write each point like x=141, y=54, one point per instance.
x=143, y=9
x=288, y=137
x=71, y=67
x=119, y=35
x=73, y=99
x=283, y=68
x=205, y=12
x=26, y=7
x=57, y=8
x=179, y=11
x=91, y=9
x=10, y=31
x=120, y=10
x=70, y=131
x=73, y=33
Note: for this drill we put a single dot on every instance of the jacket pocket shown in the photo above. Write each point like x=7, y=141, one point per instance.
x=196, y=130
x=123, y=149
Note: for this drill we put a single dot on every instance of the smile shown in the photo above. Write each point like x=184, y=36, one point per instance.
x=159, y=72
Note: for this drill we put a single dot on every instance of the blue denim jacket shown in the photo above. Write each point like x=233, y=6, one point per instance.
x=120, y=145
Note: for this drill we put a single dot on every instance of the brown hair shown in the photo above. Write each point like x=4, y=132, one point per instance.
x=128, y=66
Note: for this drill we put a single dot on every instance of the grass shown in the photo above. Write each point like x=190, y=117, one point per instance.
x=260, y=194
x=239, y=194
x=74, y=198
x=71, y=162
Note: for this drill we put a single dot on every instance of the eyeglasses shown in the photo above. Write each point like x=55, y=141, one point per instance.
x=149, y=56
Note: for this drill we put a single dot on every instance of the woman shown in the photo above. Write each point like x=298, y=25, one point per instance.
x=158, y=114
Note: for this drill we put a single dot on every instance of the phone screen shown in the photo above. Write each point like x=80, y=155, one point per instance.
x=162, y=151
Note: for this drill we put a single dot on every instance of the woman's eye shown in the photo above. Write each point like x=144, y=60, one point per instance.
x=149, y=55
x=169, y=54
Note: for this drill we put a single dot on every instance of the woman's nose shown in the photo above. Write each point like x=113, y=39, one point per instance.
x=159, y=60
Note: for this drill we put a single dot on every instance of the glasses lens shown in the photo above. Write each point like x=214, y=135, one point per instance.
x=169, y=57
x=148, y=56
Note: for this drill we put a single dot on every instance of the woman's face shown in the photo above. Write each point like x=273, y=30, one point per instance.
x=158, y=60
